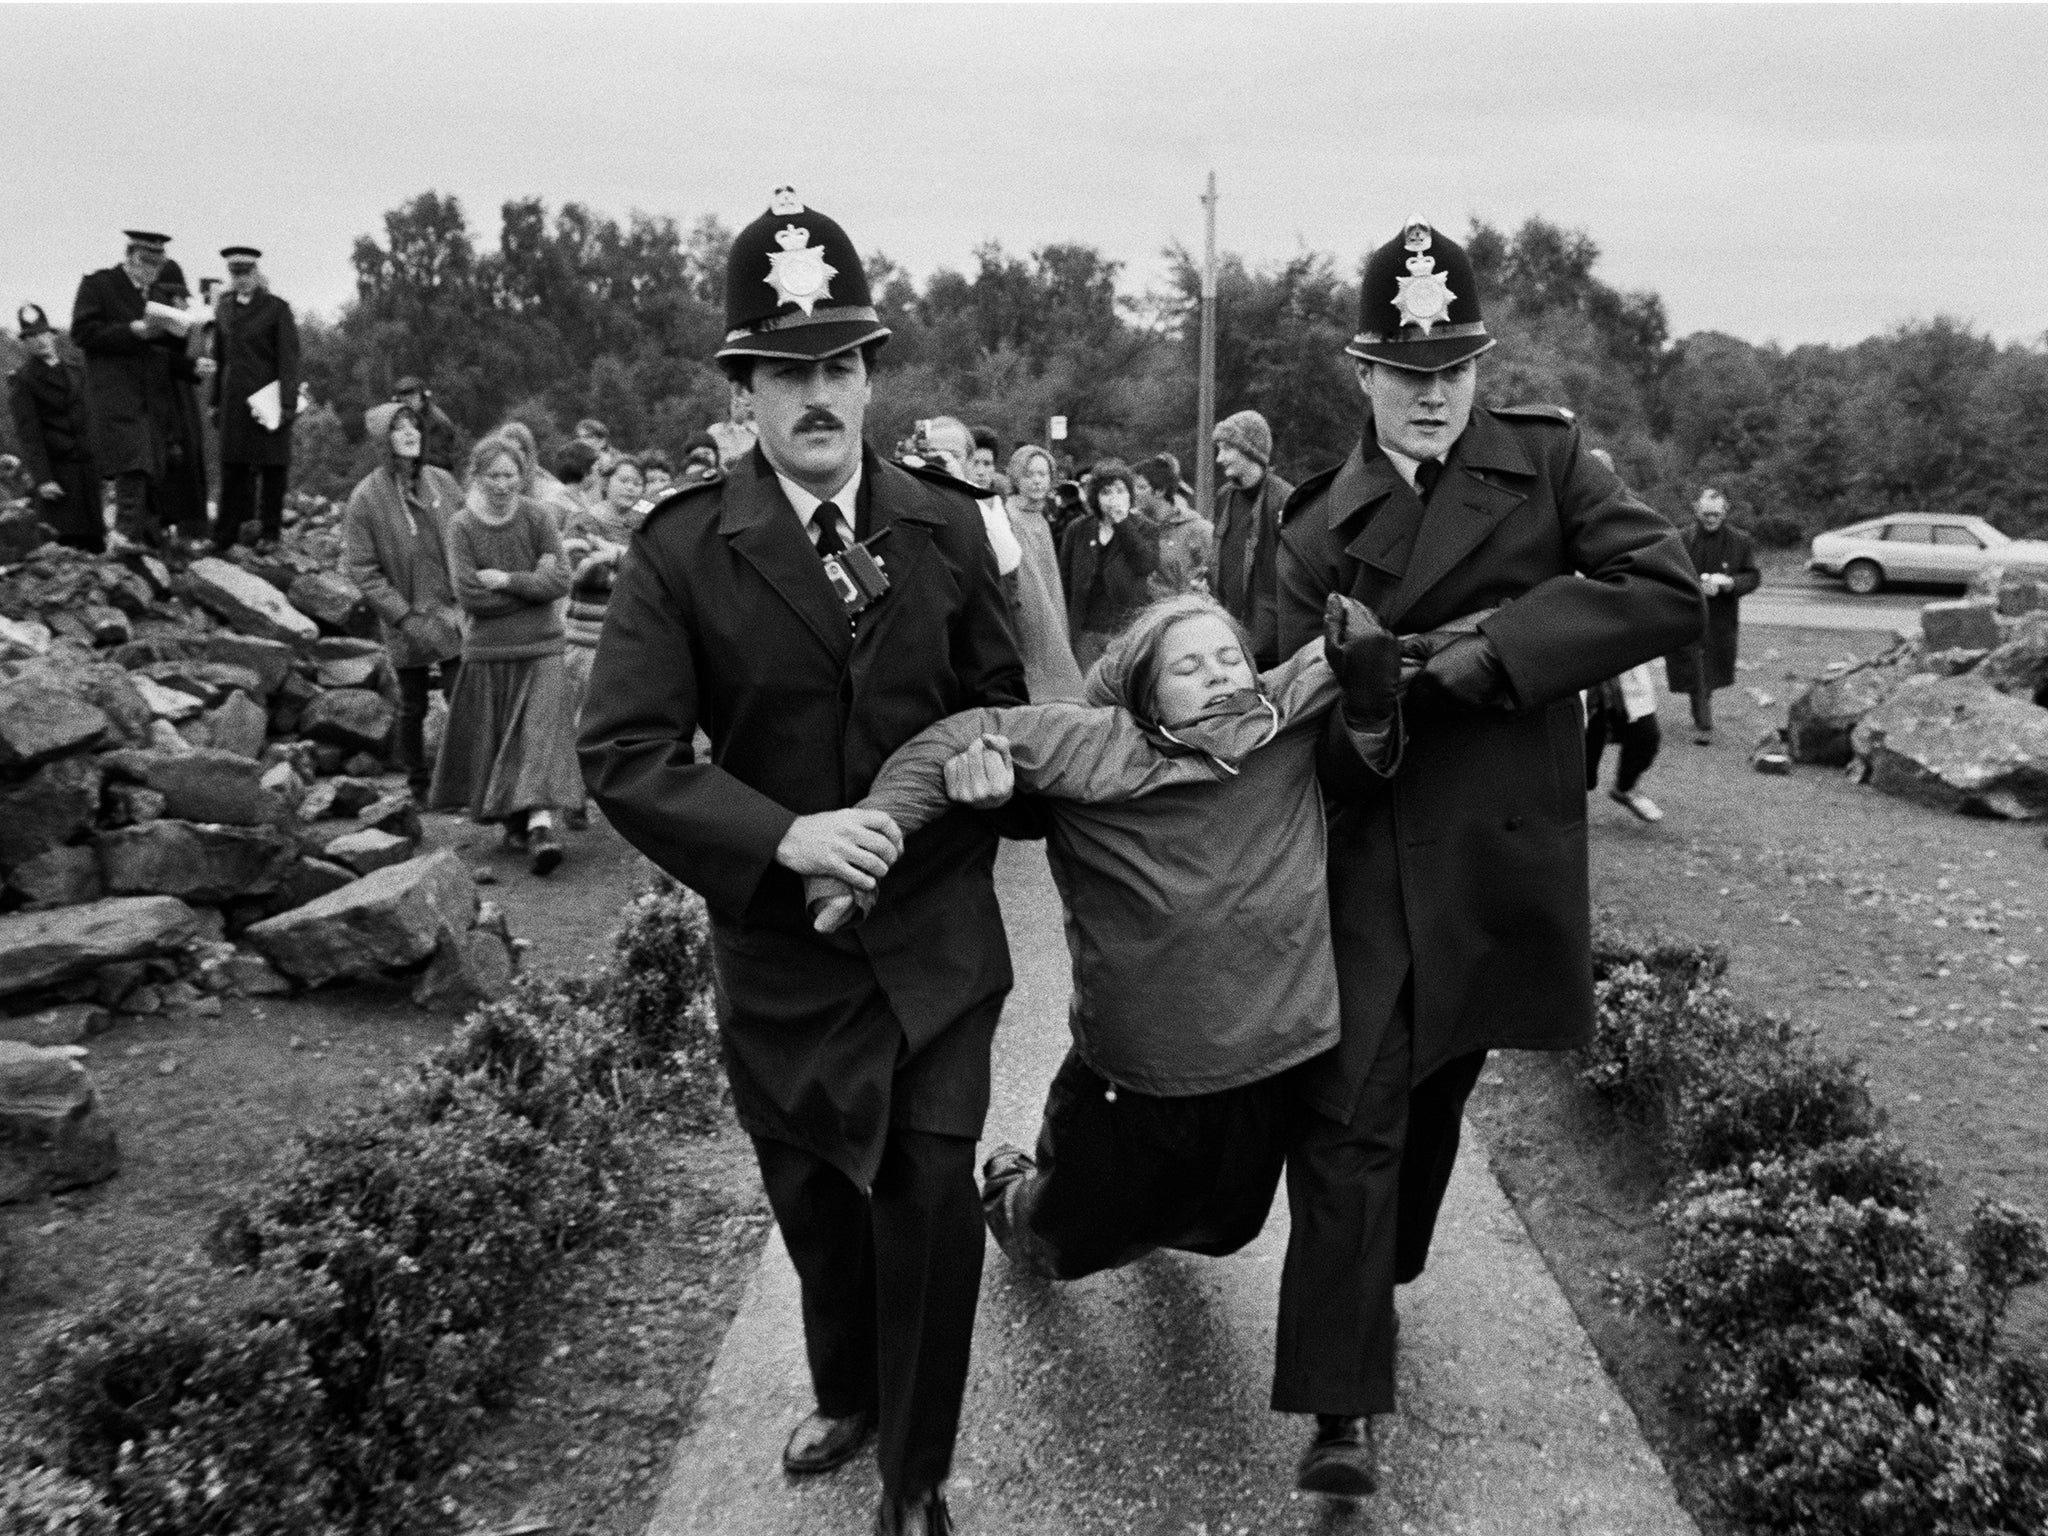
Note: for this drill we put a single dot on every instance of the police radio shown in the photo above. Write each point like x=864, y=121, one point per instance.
x=857, y=576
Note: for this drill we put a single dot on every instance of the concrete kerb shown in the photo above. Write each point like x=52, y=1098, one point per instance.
x=1135, y=1402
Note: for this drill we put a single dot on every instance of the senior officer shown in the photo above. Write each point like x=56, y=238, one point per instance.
x=255, y=345
x=138, y=379
x=1524, y=571
x=859, y=1062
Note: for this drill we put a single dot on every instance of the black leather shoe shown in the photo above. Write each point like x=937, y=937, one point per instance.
x=1340, y=1460
x=821, y=1442
x=922, y=1515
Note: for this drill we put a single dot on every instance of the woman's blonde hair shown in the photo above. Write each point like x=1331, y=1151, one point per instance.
x=486, y=453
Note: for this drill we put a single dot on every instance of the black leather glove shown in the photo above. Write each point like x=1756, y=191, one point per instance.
x=1466, y=672
x=1366, y=658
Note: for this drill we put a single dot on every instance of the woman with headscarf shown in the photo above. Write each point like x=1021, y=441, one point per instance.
x=1187, y=843
x=509, y=753
x=1038, y=603
x=395, y=548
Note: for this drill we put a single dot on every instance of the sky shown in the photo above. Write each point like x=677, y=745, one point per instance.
x=1787, y=174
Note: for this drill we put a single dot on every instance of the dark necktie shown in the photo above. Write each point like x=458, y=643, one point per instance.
x=826, y=521
x=1427, y=473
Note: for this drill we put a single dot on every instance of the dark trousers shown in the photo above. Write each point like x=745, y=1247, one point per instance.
x=1364, y=1198
x=1638, y=739
x=890, y=1279
x=1119, y=1177
x=1703, y=708
x=76, y=515
x=251, y=491
x=415, y=684
x=135, y=512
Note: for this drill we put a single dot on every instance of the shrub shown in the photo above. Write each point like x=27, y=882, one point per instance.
x=659, y=986
x=41, y=1501
x=1849, y=1355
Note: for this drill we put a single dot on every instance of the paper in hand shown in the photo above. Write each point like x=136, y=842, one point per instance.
x=170, y=318
x=266, y=406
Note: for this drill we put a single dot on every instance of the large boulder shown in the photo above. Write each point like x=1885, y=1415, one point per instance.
x=393, y=918
x=327, y=597
x=48, y=808
x=61, y=877
x=202, y=784
x=467, y=969
x=2020, y=666
x=354, y=719
x=247, y=602
x=239, y=726
x=199, y=861
x=1959, y=744
x=40, y=720
x=1818, y=724
x=46, y=949
x=1970, y=624
x=52, y=1135
x=370, y=850
x=166, y=702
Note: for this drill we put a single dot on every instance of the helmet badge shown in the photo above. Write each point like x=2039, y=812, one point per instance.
x=1423, y=298
x=799, y=272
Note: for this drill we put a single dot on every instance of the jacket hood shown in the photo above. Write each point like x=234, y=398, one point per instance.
x=1226, y=735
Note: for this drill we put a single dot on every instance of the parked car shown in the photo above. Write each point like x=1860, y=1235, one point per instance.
x=1918, y=546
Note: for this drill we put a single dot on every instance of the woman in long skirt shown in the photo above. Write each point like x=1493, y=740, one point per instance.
x=509, y=752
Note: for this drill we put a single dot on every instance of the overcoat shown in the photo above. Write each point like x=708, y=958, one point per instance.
x=50, y=422
x=1468, y=866
x=1245, y=585
x=1106, y=584
x=138, y=391
x=1727, y=551
x=721, y=616
x=254, y=344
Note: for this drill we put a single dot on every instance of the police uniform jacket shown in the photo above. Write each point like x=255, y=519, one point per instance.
x=1468, y=866
x=255, y=344
x=722, y=617
x=132, y=385
x=1710, y=664
x=50, y=422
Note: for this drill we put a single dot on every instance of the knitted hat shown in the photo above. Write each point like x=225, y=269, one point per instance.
x=1248, y=433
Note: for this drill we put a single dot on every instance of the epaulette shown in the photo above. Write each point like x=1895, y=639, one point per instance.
x=1307, y=491
x=939, y=477
x=1561, y=413
x=676, y=495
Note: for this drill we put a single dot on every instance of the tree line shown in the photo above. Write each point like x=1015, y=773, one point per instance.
x=575, y=314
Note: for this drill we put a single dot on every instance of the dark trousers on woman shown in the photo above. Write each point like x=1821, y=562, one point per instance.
x=415, y=687
x=1119, y=1173
x=251, y=491
x=1638, y=739
x=1363, y=1196
x=890, y=1277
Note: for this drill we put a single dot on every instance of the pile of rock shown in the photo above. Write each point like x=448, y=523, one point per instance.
x=189, y=753
x=1957, y=718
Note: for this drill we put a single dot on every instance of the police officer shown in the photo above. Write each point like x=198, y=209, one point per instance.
x=812, y=610
x=46, y=397
x=1522, y=571
x=138, y=382
x=256, y=345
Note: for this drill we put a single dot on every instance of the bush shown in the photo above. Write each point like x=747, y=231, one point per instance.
x=1849, y=1355
x=375, y=1297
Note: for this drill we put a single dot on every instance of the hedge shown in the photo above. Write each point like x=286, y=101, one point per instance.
x=1850, y=1360
x=348, y=1324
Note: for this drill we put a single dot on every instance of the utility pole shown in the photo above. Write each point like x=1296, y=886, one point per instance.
x=1205, y=409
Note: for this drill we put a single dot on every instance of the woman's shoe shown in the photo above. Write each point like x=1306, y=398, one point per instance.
x=547, y=853
x=1637, y=804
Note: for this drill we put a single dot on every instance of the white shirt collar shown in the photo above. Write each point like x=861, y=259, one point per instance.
x=1402, y=463
x=807, y=505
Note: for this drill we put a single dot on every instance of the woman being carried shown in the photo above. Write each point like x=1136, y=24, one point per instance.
x=1187, y=843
